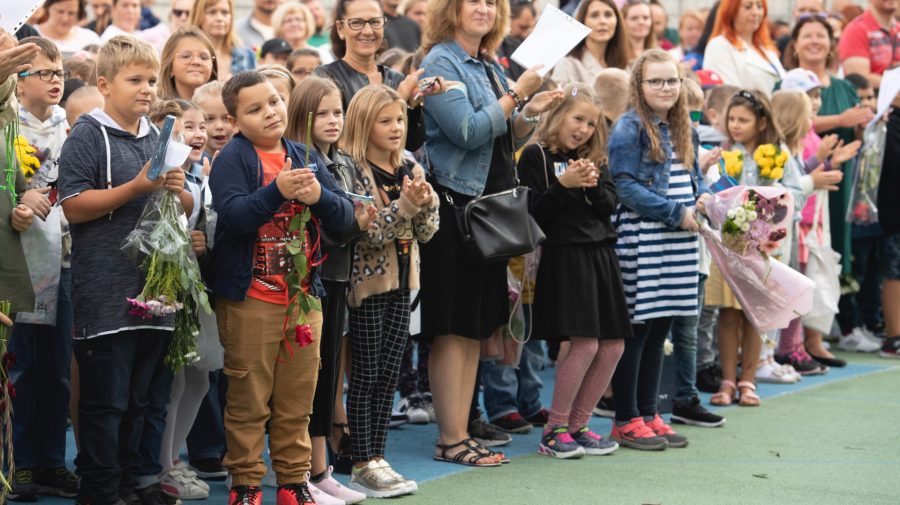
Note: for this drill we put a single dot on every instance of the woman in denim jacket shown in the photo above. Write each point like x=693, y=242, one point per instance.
x=653, y=160
x=472, y=131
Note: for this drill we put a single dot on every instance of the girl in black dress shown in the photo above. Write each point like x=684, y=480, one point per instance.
x=578, y=294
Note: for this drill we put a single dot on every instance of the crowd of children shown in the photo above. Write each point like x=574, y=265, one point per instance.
x=307, y=199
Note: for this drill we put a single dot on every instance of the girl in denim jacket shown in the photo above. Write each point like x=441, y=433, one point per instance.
x=653, y=160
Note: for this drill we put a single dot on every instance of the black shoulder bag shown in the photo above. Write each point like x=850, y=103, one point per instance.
x=498, y=227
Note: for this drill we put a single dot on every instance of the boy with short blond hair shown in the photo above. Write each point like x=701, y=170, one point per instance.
x=611, y=88
x=42, y=340
x=103, y=187
x=271, y=376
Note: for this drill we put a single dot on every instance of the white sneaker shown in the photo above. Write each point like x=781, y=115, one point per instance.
x=417, y=414
x=411, y=485
x=186, y=470
x=330, y=486
x=428, y=405
x=773, y=373
x=858, y=341
x=178, y=485
x=321, y=497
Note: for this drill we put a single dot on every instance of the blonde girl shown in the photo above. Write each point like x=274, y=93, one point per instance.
x=579, y=296
x=653, y=160
x=385, y=268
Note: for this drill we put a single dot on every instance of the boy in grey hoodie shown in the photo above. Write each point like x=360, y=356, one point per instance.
x=103, y=188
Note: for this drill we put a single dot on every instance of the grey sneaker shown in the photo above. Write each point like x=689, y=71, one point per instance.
x=375, y=482
x=557, y=443
x=410, y=484
x=594, y=444
x=487, y=435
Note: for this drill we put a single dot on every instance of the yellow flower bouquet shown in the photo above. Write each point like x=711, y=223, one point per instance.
x=733, y=162
x=770, y=160
x=27, y=156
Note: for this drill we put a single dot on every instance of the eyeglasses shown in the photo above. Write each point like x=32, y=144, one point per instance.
x=657, y=84
x=47, y=74
x=178, y=13
x=189, y=57
x=357, y=24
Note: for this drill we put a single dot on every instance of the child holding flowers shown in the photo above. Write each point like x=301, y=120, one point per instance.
x=751, y=129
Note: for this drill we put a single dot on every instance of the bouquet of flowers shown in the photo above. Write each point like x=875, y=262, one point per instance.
x=770, y=160
x=756, y=223
x=7, y=393
x=733, y=163
x=748, y=223
x=28, y=155
x=174, y=284
x=161, y=242
x=863, y=208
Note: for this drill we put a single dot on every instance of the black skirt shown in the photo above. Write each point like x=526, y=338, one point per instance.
x=579, y=293
x=458, y=298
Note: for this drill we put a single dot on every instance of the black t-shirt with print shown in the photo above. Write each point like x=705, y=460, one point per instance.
x=389, y=186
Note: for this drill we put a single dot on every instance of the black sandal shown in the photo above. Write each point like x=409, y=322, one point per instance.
x=488, y=452
x=471, y=456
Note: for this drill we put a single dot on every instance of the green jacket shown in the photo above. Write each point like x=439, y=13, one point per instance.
x=15, y=283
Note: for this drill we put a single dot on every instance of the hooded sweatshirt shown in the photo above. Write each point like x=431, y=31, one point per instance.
x=103, y=276
x=47, y=137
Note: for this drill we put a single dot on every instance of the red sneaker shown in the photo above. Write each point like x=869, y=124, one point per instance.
x=245, y=495
x=637, y=435
x=664, y=430
x=294, y=494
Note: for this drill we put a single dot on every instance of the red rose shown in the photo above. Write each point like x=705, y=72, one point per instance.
x=304, y=335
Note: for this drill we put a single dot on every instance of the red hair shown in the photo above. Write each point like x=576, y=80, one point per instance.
x=725, y=18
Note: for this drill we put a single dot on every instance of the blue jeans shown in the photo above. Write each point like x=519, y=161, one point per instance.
x=207, y=437
x=508, y=389
x=684, y=339
x=41, y=378
x=154, y=427
x=115, y=373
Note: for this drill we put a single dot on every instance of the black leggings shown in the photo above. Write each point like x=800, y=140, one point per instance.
x=636, y=380
x=334, y=308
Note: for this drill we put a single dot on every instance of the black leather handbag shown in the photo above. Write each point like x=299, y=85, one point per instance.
x=498, y=226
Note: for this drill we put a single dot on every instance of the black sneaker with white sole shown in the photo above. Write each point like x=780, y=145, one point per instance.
x=23, y=487
x=487, y=435
x=606, y=407
x=209, y=468
x=59, y=482
x=691, y=411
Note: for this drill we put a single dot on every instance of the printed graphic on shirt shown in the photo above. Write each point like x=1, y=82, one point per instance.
x=559, y=167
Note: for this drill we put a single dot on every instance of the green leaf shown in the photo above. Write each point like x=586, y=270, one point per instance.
x=293, y=247
x=296, y=223
x=315, y=303
x=304, y=303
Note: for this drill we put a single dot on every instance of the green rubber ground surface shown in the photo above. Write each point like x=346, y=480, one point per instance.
x=838, y=443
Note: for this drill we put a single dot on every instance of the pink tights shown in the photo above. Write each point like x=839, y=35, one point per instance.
x=581, y=379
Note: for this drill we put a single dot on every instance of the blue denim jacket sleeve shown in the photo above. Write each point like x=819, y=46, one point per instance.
x=455, y=112
x=634, y=182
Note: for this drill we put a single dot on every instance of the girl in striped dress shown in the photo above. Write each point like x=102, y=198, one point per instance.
x=653, y=160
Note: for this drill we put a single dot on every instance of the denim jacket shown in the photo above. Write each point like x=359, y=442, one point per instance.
x=641, y=183
x=461, y=124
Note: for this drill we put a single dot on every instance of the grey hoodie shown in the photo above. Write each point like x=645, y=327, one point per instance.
x=103, y=276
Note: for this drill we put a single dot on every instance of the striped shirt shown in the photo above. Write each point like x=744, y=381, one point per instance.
x=659, y=265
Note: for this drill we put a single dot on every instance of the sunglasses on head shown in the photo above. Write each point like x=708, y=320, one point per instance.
x=754, y=102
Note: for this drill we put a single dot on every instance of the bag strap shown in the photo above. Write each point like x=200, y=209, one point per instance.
x=818, y=215
x=546, y=177
x=509, y=124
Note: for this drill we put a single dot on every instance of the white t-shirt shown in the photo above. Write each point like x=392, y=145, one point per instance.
x=76, y=41
x=113, y=30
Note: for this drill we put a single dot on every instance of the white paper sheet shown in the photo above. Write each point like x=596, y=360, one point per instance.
x=890, y=86
x=14, y=13
x=554, y=35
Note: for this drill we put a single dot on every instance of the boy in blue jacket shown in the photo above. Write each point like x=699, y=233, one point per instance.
x=271, y=376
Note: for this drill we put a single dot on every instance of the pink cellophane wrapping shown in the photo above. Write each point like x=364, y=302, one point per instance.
x=771, y=293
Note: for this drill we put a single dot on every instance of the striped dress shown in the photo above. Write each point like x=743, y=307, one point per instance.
x=659, y=266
